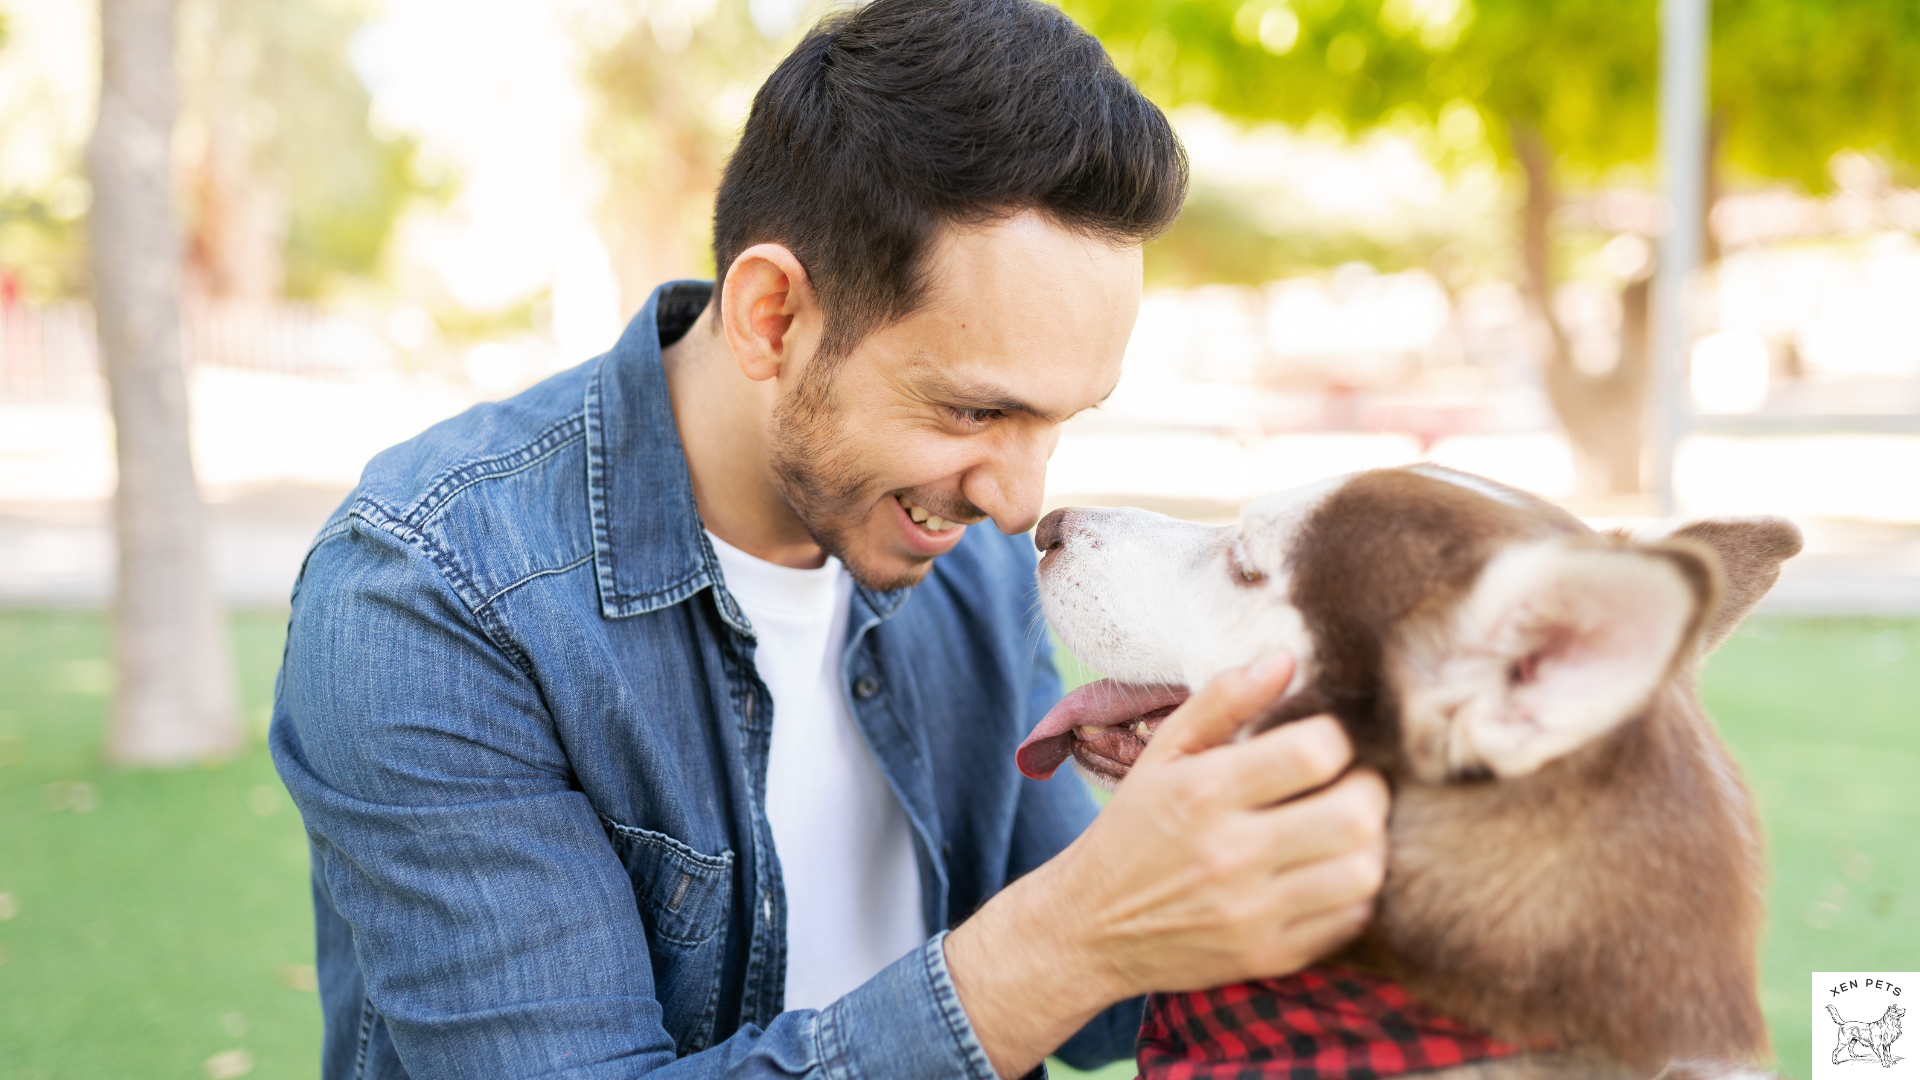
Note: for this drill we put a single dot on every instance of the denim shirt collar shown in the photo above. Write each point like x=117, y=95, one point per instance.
x=649, y=548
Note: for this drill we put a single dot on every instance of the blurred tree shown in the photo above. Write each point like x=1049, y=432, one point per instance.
x=1565, y=92
x=1796, y=81
x=290, y=188
x=174, y=699
x=672, y=88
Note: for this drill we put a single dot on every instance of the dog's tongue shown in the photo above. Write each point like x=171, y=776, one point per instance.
x=1096, y=704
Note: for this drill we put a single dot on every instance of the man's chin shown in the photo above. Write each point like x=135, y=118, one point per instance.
x=877, y=558
x=885, y=573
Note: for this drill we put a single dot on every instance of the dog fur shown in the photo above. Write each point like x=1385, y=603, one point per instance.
x=1573, y=856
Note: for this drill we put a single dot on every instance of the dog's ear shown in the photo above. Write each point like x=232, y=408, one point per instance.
x=1553, y=646
x=1750, y=551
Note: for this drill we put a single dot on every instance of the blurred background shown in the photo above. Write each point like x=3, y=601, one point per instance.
x=1418, y=230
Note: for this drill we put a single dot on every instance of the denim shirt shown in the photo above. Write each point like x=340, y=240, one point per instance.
x=520, y=716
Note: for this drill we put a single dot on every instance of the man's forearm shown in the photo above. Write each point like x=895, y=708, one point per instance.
x=1025, y=979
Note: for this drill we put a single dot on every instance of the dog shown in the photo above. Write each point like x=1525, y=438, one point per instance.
x=1876, y=1039
x=1574, y=861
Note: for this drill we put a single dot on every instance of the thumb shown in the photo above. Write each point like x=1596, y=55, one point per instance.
x=1212, y=716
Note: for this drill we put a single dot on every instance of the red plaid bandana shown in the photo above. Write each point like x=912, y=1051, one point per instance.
x=1324, y=1023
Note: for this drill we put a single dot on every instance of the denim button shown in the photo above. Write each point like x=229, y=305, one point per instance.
x=865, y=688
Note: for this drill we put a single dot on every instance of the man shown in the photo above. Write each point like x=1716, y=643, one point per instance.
x=663, y=716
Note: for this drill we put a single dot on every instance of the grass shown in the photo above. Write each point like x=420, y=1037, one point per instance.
x=154, y=920
x=159, y=918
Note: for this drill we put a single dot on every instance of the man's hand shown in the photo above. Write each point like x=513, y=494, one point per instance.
x=1209, y=866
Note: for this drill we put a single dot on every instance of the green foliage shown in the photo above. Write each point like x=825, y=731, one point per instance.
x=1793, y=81
x=669, y=105
x=1577, y=70
x=1216, y=240
x=43, y=241
x=1796, y=80
x=288, y=77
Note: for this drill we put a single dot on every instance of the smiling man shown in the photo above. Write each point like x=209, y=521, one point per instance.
x=663, y=717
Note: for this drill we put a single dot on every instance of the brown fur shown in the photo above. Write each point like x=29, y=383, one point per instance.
x=1609, y=901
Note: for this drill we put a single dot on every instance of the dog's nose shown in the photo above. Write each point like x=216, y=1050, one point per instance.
x=1047, y=534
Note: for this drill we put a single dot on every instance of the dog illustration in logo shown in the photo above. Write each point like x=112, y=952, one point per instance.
x=1860, y=1040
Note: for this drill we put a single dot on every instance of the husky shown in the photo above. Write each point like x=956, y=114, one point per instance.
x=1574, y=861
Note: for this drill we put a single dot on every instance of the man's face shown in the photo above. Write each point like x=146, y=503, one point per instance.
x=947, y=417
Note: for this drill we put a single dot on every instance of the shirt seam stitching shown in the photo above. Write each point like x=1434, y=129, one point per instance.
x=453, y=576
x=505, y=589
x=457, y=480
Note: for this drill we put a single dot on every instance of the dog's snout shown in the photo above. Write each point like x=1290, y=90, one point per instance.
x=1051, y=531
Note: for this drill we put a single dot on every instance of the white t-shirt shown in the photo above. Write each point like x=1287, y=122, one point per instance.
x=853, y=891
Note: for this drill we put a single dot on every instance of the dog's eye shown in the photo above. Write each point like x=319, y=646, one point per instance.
x=1242, y=573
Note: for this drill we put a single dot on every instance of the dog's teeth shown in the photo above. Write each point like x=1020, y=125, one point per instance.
x=1091, y=730
x=916, y=513
x=1141, y=729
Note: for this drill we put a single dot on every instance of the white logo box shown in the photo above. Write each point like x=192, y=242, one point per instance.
x=1863, y=1025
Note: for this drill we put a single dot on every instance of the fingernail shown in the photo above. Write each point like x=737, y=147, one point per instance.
x=1273, y=667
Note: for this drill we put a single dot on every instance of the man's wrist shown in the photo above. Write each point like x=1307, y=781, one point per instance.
x=1026, y=976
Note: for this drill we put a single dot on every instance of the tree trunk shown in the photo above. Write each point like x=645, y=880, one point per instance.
x=174, y=698
x=1602, y=414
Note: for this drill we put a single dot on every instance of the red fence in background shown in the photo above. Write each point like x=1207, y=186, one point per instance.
x=49, y=353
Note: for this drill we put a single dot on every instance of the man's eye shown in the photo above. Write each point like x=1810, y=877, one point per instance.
x=978, y=416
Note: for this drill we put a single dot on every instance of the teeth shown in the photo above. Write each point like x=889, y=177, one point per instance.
x=1091, y=730
x=933, y=522
x=1141, y=729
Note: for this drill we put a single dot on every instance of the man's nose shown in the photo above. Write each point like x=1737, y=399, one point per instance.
x=1009, y=487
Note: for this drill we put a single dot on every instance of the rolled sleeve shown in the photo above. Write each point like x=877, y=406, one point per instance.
x=906, y=1021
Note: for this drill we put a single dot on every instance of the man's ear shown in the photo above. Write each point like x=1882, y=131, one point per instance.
x=1555, y=645
x=1751, y=551
x=767, y=307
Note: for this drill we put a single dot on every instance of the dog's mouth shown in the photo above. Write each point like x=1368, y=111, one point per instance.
x=1103, y=725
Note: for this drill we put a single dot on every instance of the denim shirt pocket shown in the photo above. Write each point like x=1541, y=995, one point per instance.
x=683, y=897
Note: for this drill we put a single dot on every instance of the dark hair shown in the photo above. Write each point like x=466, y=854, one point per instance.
x=893, y=120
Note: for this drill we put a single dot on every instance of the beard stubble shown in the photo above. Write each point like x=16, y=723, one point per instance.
x=819, y=475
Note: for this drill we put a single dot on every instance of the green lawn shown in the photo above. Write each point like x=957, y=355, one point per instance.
x=154, y=920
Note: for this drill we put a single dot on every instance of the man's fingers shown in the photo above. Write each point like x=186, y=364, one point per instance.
x=1210, y=717
x=1283, y=762
x=1318, y=935
x=1337, y=884
x=1348, y=817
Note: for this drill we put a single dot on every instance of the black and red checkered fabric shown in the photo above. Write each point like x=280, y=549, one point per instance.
x=1323, y=1023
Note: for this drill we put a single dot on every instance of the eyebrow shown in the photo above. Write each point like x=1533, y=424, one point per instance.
x=984, y=395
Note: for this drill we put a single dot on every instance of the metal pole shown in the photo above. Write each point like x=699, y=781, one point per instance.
x=1684, y=41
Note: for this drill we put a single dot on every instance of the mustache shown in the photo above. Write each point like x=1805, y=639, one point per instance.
x=947, y=507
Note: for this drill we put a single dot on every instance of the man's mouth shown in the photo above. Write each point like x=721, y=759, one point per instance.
x=1103, y=725
x=925, y=518
x=925, y=533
